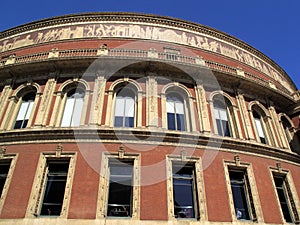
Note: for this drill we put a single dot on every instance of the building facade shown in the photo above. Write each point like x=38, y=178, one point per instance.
x=122, y=118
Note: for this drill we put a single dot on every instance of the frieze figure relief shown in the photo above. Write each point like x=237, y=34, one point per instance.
x=155, y=32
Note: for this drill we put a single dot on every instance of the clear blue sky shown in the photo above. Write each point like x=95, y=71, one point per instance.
x=271, y=26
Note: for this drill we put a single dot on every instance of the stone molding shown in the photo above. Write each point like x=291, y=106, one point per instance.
x=146, y=19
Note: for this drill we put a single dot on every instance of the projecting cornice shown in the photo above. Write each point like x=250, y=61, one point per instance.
x=246, y=53
x=196, y=140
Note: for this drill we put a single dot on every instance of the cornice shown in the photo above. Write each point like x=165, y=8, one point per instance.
x=142, y=18
x=137, y=136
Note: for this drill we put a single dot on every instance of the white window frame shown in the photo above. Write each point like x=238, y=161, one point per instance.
x=262, y=130
x=67, y=119
x=176, y=106
x=228, y=118
x=124, y=111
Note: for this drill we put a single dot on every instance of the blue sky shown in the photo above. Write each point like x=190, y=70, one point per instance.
x=271, y=26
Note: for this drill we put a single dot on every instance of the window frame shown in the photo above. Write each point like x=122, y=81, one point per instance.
x=291, y=193
x=30, y=107
x=103, y=190
x=247, y=194
x=228, y=117
x=199, y=190
x=45, y=187
x=258, y=117
x=175, y=100
x=38, y=187
x=66, y=99
x=133, y=95
x=127, y=209
x=12, y=159
x=193, y=185
x=254, y=207
x=292, y=140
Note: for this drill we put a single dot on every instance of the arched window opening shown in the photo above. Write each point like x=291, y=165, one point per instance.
x=290, y=135
x=221, y=117
x=73, y=108
x=175, y=112
x=258, y=120
x=25, y=110
x=124, y=108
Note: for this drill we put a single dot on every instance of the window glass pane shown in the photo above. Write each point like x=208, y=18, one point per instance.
x=219, y=127
x=129, y=121
x=170, y=106
x=124, y=109
x=226, y=130
x=120, y=106
x=68, y=112
x=4, y=168
x=183, y=191
x=78, y=105
x=29, y=109
x=180, y=122
x=171, y=121
x=18, y=124
x=55, y=188
x=24, y=124
x=179, y=107
x=223, y=114
x=118, y=121
x=259, y=127
x=120, y=189
x=216, y=112
x=129, y=107
x=175, y=113
x=283, y=199
x=239, y=195
x=22, y=111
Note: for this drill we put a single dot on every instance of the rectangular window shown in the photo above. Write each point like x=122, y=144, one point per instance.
x=4, y=168
x=242, y=197
x=120, y=188
x=282, y=189
x=56, y=178
x=184, y=191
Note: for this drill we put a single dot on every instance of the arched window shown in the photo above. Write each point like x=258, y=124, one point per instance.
x=124, y=108
x=27, y=102
x=175, y=112
x=221, y=117
x=259, y=125
x=73, y=108
x=290, y=134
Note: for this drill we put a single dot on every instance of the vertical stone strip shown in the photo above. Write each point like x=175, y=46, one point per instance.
x=44, y=108
x=202, y=109
x=7, y=90
x=151, y=102
x=244, y=116
x=277, y=128
x=97, y=101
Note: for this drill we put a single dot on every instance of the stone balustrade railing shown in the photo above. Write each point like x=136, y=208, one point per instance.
x=138, y=54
